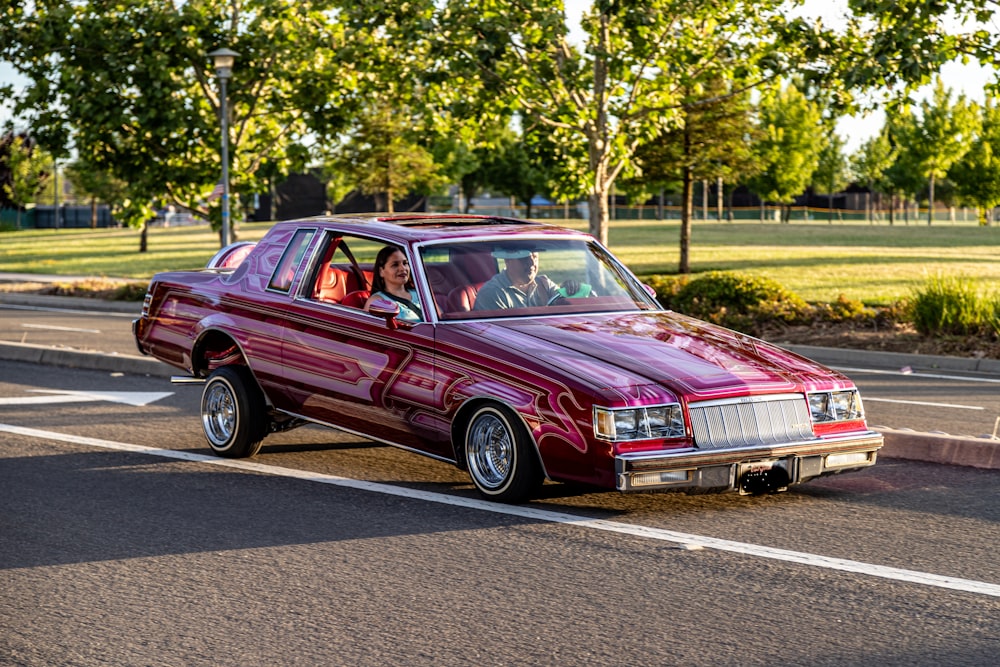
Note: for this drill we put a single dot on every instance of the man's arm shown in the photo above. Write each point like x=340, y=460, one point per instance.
x=491, y=297
x=548, y=291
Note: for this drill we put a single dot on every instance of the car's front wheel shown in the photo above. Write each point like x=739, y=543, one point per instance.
x=233, y=412
x=501, y=460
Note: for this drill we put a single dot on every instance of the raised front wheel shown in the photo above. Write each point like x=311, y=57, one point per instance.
x=233, y=412
x=502, y=462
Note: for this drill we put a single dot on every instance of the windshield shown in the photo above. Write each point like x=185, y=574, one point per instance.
x=520, y=277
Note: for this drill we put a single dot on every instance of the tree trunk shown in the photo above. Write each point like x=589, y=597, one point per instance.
x=718, y=198
x=930, y=202
x=93, y=212
x=598, y=215
x=687, y=209
x=143, y=236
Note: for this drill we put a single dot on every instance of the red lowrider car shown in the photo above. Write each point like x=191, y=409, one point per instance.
x=577, y=376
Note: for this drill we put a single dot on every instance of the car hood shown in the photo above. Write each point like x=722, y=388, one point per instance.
x=688, y=356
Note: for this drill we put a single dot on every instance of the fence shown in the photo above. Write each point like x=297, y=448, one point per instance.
x=770, y=214
x=44, y=217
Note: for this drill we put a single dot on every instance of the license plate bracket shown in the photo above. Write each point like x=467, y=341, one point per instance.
x=758, y=477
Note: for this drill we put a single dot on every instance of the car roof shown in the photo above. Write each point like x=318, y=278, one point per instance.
x=422, y=227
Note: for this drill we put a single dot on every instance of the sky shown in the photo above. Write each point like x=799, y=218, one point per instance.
x=968, y=79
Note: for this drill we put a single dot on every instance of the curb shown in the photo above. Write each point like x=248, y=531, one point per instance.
x=940, y=448
x=94, y=361
x=840, y=356
x=79, y=304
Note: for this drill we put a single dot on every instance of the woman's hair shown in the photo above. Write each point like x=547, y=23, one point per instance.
x=381, y=259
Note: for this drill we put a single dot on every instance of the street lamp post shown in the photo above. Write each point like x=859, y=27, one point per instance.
x=223, y=60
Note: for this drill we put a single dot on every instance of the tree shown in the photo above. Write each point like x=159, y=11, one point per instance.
x=27, y=169
x=977, y=173
x=940, y=136
x=626, y=85
x=132, y=90
x=96, y=185
x=384, y=160
x=790, y=145
x=515, y=169
x=712, y=142
x=831, y=175
x=871, y=162
x=905, y=174
x=899, y=45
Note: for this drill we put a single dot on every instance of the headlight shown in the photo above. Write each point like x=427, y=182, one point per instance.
x=660, y=421
x=831, y=406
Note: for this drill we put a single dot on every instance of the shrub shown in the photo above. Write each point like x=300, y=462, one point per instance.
x=730, y=299
x=953, y=306
x=110, y=290
x=667, y=287
x=845, y=310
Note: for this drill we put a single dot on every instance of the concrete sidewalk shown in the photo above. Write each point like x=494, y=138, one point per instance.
x=116, y=352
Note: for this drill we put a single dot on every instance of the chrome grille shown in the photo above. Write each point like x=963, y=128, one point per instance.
x=751, y=421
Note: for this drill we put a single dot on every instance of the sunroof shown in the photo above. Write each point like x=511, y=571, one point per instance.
x=457, y=221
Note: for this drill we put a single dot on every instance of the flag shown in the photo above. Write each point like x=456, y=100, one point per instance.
x=216, y=192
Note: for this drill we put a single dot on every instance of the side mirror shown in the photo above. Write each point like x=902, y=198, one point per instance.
x=386, y=309
x=649, y=290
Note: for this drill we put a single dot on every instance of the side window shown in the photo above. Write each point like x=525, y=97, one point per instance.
x=345, y=275
x=284, y=272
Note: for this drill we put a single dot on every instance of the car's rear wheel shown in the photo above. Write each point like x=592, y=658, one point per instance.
x=233, y=412
x=502, y=462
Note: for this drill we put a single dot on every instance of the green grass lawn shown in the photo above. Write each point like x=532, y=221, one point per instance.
x=877, y=264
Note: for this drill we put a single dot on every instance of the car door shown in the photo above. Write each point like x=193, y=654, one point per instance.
x=346, y=368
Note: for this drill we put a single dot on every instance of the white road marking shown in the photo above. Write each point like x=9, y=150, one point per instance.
x=868, y=399
x=135, y=398
x=686, y=540
x=76, y=311
x=47, y=327
x=930, y=376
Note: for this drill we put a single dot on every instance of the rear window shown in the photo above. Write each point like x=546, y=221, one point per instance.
x=284, y=272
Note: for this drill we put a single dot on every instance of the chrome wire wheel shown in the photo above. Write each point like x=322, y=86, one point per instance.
x=234, y=412
x=219, y=413
x=491, y=450
x=500, y=455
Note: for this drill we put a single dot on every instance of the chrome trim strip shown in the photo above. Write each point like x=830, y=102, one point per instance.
x=368, y=437
x=691, y=457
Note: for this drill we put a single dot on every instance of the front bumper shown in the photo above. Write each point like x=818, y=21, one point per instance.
x=747, y=470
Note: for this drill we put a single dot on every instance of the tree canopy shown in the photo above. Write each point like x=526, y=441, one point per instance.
x=977, y=173
x=789, y=149
x=128, y=89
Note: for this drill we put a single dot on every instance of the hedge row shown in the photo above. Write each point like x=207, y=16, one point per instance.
x=752, y=304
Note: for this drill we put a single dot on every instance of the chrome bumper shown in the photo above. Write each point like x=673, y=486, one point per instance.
x=748, y=469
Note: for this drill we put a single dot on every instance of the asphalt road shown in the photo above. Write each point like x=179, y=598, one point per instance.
x=123, y=542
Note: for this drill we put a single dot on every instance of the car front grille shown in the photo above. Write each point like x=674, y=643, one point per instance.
x=751, y=421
